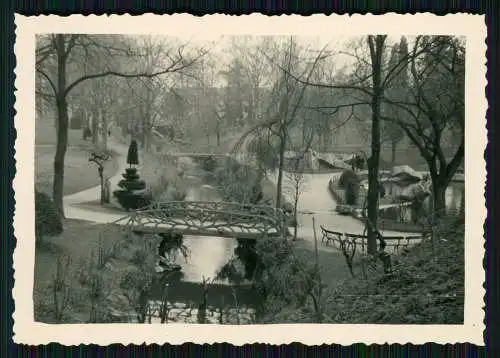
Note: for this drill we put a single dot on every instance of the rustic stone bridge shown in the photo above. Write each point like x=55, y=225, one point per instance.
x=203, y=218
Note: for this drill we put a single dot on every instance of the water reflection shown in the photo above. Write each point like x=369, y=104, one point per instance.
x=207, y=255
x=185, y=290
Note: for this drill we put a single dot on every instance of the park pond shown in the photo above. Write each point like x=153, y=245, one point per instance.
x=181, y=292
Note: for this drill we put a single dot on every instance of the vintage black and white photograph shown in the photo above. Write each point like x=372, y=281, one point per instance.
x=244, y=179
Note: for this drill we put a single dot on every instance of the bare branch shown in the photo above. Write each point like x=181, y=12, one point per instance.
x=44, y=74
x=176, y=66
x=323, y=85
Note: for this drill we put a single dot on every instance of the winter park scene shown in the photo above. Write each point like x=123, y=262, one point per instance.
x=249, y=179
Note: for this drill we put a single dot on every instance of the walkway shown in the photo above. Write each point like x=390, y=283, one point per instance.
x=315, y=200
x=200, y=222
x=71, y=209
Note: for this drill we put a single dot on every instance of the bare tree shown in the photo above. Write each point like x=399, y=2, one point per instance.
x=56, y=53
x=296, y=177
x=248, y=50
x=286, y=100
x=376, y=45
x=436, y=108
x=397, y=90
x=366, y=86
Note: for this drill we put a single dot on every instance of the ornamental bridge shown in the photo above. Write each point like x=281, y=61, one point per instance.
x=205, y=218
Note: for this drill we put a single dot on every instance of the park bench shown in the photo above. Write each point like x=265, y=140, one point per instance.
x=340, y=237
x=353, y=240
x=328, y=235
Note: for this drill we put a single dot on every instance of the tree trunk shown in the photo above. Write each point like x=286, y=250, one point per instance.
x=295, y=205
x=376, y=49
x=279, y=186
x=102, y=188
x=105, y=130
x=62, y=128
x=62, y=145
x=439, y=196
x=304, y=133
x=95, y=126
x=462, y=201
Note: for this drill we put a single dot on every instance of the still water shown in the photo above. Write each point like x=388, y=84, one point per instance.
x=184, y=290
x=207, y=255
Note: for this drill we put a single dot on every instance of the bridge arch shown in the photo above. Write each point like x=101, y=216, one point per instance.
x=206, y=218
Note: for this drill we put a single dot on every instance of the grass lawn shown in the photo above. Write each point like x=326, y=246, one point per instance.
x=426, y=287
x=332, y=265
x=79, y=173
x=45, y=134
x=80, y=242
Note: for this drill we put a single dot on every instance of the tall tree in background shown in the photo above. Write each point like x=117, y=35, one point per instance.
x=435, y=108
x=285, y=102
x=365, y=87
x=236, y=90
x=396, y=91
x=58, y=63
x=248, y=50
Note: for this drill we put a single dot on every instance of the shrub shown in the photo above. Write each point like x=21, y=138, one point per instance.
x=47, y=220
x=351, y=193
x=160, y=187
x=171, y=244
x=280, y=274
x=265, y=151
x=133, y=194
x=133, y=153
x=239, y=183
x=139, y=257
x=349, y=181
x=132, y=184
x=359, y=162
x=133, y=200
x=178, y=194
x=287, y=208
x=131, y=174
x=347, y=177
x=87, y=133
x=209, y=163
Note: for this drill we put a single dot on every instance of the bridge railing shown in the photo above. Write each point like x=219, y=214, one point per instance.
x=261, y=210
x=204, y=217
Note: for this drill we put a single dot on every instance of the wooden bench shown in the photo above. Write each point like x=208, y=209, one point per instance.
x=353, y=240
x=328, y=235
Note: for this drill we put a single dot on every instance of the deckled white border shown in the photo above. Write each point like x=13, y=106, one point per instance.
x=29, y=332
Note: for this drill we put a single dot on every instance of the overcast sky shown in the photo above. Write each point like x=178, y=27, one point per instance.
x=341, y=46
